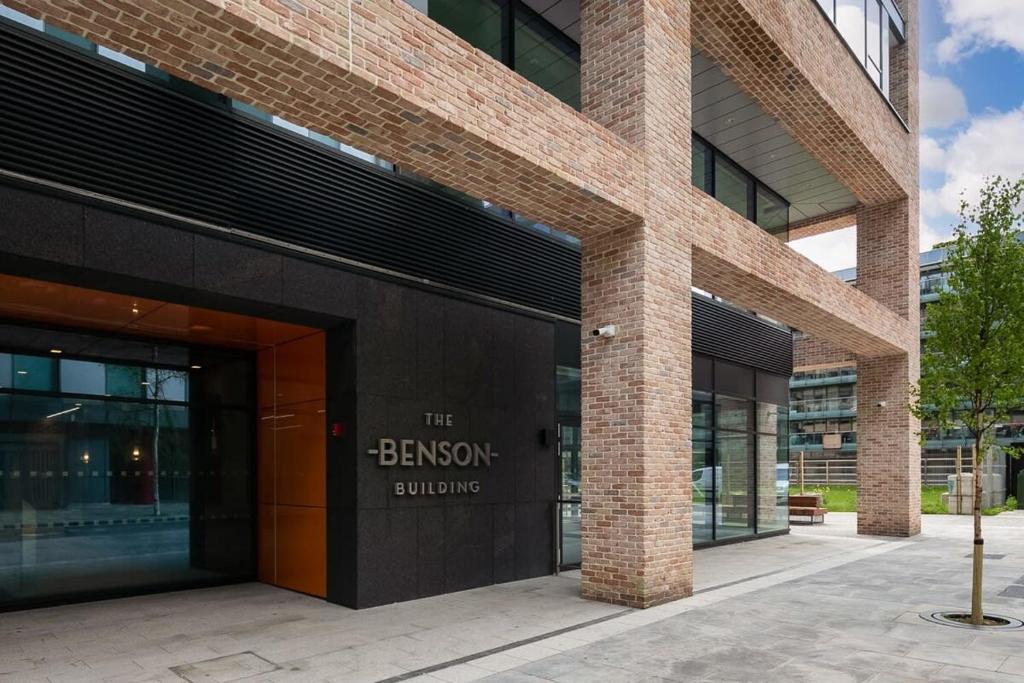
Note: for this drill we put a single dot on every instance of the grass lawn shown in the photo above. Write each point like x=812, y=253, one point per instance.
x=844, y=498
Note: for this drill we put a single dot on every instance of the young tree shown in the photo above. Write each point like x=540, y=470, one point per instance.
x=972, y=369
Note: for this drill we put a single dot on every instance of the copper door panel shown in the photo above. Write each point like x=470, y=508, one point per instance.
x=302, y=549
x=301, y=446
x=300, y=370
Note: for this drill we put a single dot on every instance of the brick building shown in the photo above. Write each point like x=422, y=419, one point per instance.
x=304, y=290
x=823, y=402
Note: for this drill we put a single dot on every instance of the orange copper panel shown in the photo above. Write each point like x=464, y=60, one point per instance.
x=265, y=547
x=42, y=301
x=50, y=302
x=300, y=370
x=302, y=549
x=301, y=446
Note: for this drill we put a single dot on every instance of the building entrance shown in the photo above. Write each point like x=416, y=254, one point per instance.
x=132, y=453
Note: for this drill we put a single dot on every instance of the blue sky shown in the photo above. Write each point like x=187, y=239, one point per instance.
x=972, y=114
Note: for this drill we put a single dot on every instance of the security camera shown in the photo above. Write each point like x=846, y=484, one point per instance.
x=605, y=331
x=881, y=404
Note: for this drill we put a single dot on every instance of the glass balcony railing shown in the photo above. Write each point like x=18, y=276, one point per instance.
x=846, y=440
x=823, y=378
x=827, y=407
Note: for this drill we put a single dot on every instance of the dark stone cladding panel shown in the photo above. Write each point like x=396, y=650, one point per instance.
x=406, y=351
x=40, y=226
x=235, y=269
x=494, y=372
x=126, y=245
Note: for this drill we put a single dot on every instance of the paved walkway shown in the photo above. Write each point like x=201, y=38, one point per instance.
x=818, y=605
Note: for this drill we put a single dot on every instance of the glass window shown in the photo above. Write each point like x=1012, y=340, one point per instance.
x=166, y=384
x=734, y=508
x=5, y=370
x=478, y=22
x=874, y=37
x=732, y=186
x=33, y=372
x=125, y=381
x=83, y=377
x=772, y=212
x=772, y=482
x=567, y=389
x=703, y=492
x=733, y=413
x=111, y=480
x=699, y=157
x=850, y=22
x=546, y=56
x=829, y=7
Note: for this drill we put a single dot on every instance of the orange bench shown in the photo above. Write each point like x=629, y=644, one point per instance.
x=806, y=506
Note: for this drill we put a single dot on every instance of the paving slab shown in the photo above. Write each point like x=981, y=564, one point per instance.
x=820, y=604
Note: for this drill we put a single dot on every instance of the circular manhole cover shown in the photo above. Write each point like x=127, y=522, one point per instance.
x=961, y=619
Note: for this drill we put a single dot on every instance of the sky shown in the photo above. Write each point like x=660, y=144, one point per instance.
x=972, y=115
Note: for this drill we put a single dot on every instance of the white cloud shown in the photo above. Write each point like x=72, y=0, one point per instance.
x=980, y=24
x=832, y=250
x=930, y=236
x=838, y=249
x=989, y=146
x=933, y=157
x=942, y=103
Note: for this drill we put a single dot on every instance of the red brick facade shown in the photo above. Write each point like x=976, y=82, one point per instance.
x=380, y=76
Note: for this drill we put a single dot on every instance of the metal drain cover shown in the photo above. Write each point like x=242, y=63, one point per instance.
x=226, y=668
x=942, y=618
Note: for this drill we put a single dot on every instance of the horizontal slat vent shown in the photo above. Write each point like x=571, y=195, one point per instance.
x=71, y=118
x=723, y=332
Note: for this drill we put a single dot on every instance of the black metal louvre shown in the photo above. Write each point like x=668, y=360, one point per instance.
x=723, y=332
x=70, y=118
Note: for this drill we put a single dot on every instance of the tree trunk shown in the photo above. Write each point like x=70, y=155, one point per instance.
x=979, y=544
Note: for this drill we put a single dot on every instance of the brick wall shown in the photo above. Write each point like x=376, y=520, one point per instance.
x=637, y=547
x=787, y=57
x=380, y=76
x=888, y=451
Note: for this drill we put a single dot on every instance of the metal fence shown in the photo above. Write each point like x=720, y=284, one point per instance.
x=819, y=471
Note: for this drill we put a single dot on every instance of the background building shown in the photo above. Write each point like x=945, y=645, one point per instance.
x=823, y=404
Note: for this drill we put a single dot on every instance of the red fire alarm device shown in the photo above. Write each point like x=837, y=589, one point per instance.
x=337, y=430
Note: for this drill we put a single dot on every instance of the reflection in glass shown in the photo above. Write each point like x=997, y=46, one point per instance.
x=699, y=164
x=478, y=22
x=733, y=413
x=850, y=22
x=703, y=468
x=772, y=212
x=734, y=510
x=772, y=483
x=546, y=56
x=106, y=484
x=732, y=186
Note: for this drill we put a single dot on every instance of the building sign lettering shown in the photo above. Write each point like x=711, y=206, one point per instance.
x=391, y=452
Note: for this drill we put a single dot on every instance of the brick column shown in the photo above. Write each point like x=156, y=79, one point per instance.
x=888, y=451
x=637, y=502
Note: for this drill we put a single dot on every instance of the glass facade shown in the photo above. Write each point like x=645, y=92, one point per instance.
x=568, y=396
x=128, y=469
x=871, y=29
x=546, y=56
x=740, y=451
x=518, y=36
x=726, y=181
